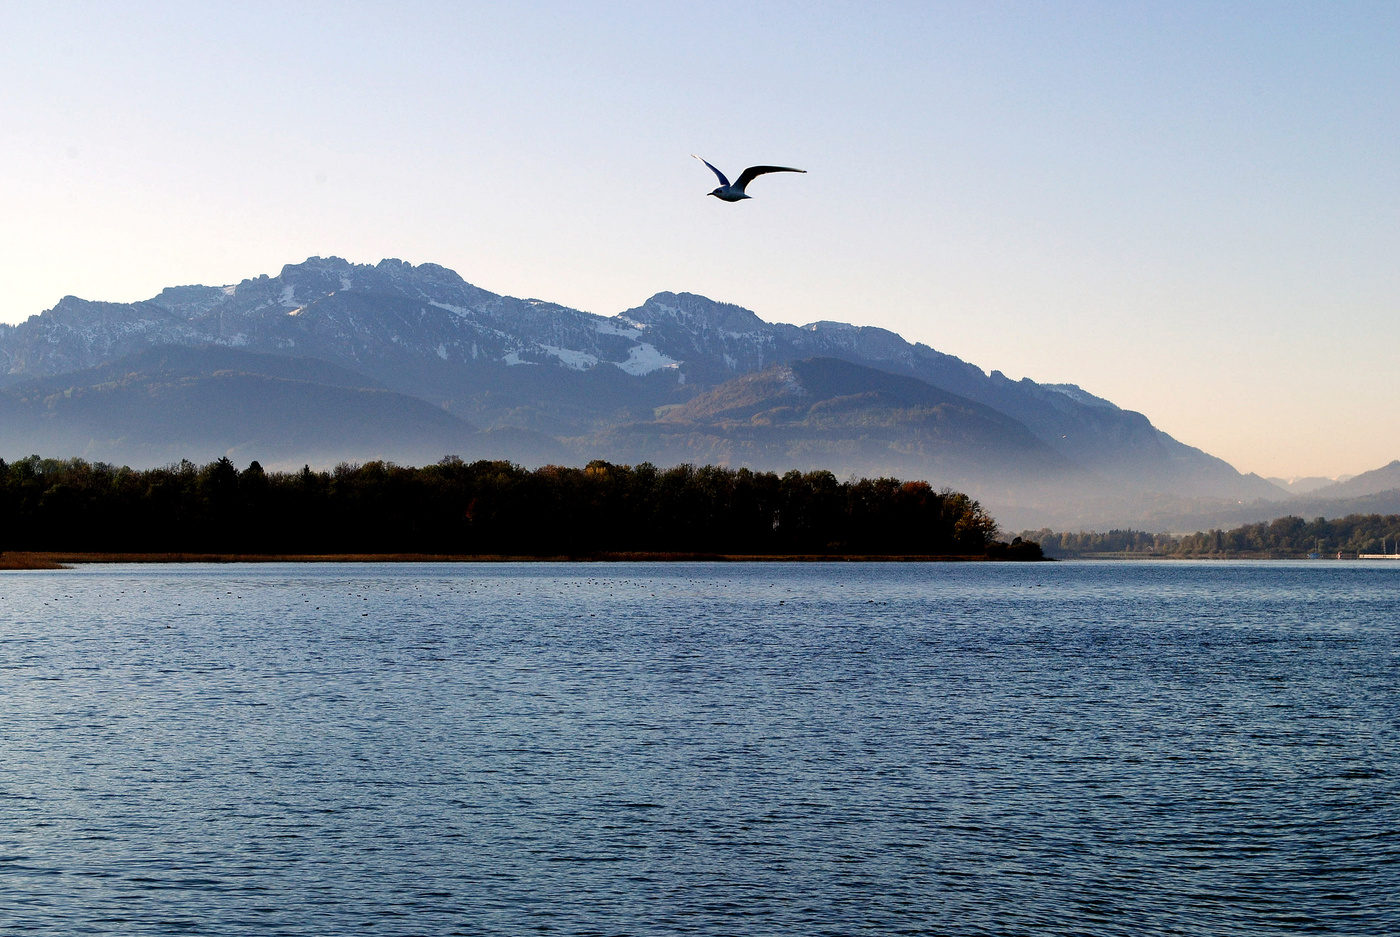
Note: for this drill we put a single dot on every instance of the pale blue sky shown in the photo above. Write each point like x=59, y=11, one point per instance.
x=1191, y=209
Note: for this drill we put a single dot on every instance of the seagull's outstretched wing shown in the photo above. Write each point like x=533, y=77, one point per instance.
x=722, y=180
x=753, y=172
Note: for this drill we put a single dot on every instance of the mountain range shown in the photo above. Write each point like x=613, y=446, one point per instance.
x=332, y=361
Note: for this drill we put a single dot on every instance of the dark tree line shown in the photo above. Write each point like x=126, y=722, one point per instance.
x=455, y=507
x=1283, y=537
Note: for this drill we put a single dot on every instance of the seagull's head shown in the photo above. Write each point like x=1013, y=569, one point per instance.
x=715, y=193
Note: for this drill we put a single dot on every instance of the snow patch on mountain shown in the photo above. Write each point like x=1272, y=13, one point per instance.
x=457, y=310
x=606, y=327
x=578, y=360
x=644, y=358
x=791, y=384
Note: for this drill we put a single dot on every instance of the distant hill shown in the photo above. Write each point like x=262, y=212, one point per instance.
x=516, y=367
x=1305, y=486
x=1385, y=478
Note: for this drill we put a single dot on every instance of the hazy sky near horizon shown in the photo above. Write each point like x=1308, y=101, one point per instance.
x=1192, y=209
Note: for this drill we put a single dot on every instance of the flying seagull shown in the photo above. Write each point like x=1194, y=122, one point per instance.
x=735, y=192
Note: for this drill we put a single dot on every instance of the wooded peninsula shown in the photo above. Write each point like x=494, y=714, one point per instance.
x=484, y=508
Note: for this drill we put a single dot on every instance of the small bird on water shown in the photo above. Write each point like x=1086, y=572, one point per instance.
x=735, y=192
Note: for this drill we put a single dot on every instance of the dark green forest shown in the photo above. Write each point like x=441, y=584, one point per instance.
x=455, y=507
x=1284, y=537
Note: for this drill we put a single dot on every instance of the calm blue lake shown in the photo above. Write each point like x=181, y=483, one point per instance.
x=718, y=749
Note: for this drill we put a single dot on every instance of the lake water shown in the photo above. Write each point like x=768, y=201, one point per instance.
x=610, y=749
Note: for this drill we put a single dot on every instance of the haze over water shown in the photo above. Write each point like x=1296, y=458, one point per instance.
x=1185, y=748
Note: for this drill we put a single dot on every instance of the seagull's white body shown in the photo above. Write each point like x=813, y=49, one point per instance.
x=734, y=192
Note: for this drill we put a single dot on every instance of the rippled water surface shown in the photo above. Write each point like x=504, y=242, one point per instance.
x=701, y=749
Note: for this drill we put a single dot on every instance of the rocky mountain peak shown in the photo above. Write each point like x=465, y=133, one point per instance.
x=690, y=311
x=189, y=301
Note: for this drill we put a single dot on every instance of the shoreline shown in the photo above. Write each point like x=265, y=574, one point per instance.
x=1176, y=557
x=20, y=560
x=57, y=559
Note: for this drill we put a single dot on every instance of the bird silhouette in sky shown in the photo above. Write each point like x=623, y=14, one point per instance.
x=734, y=192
